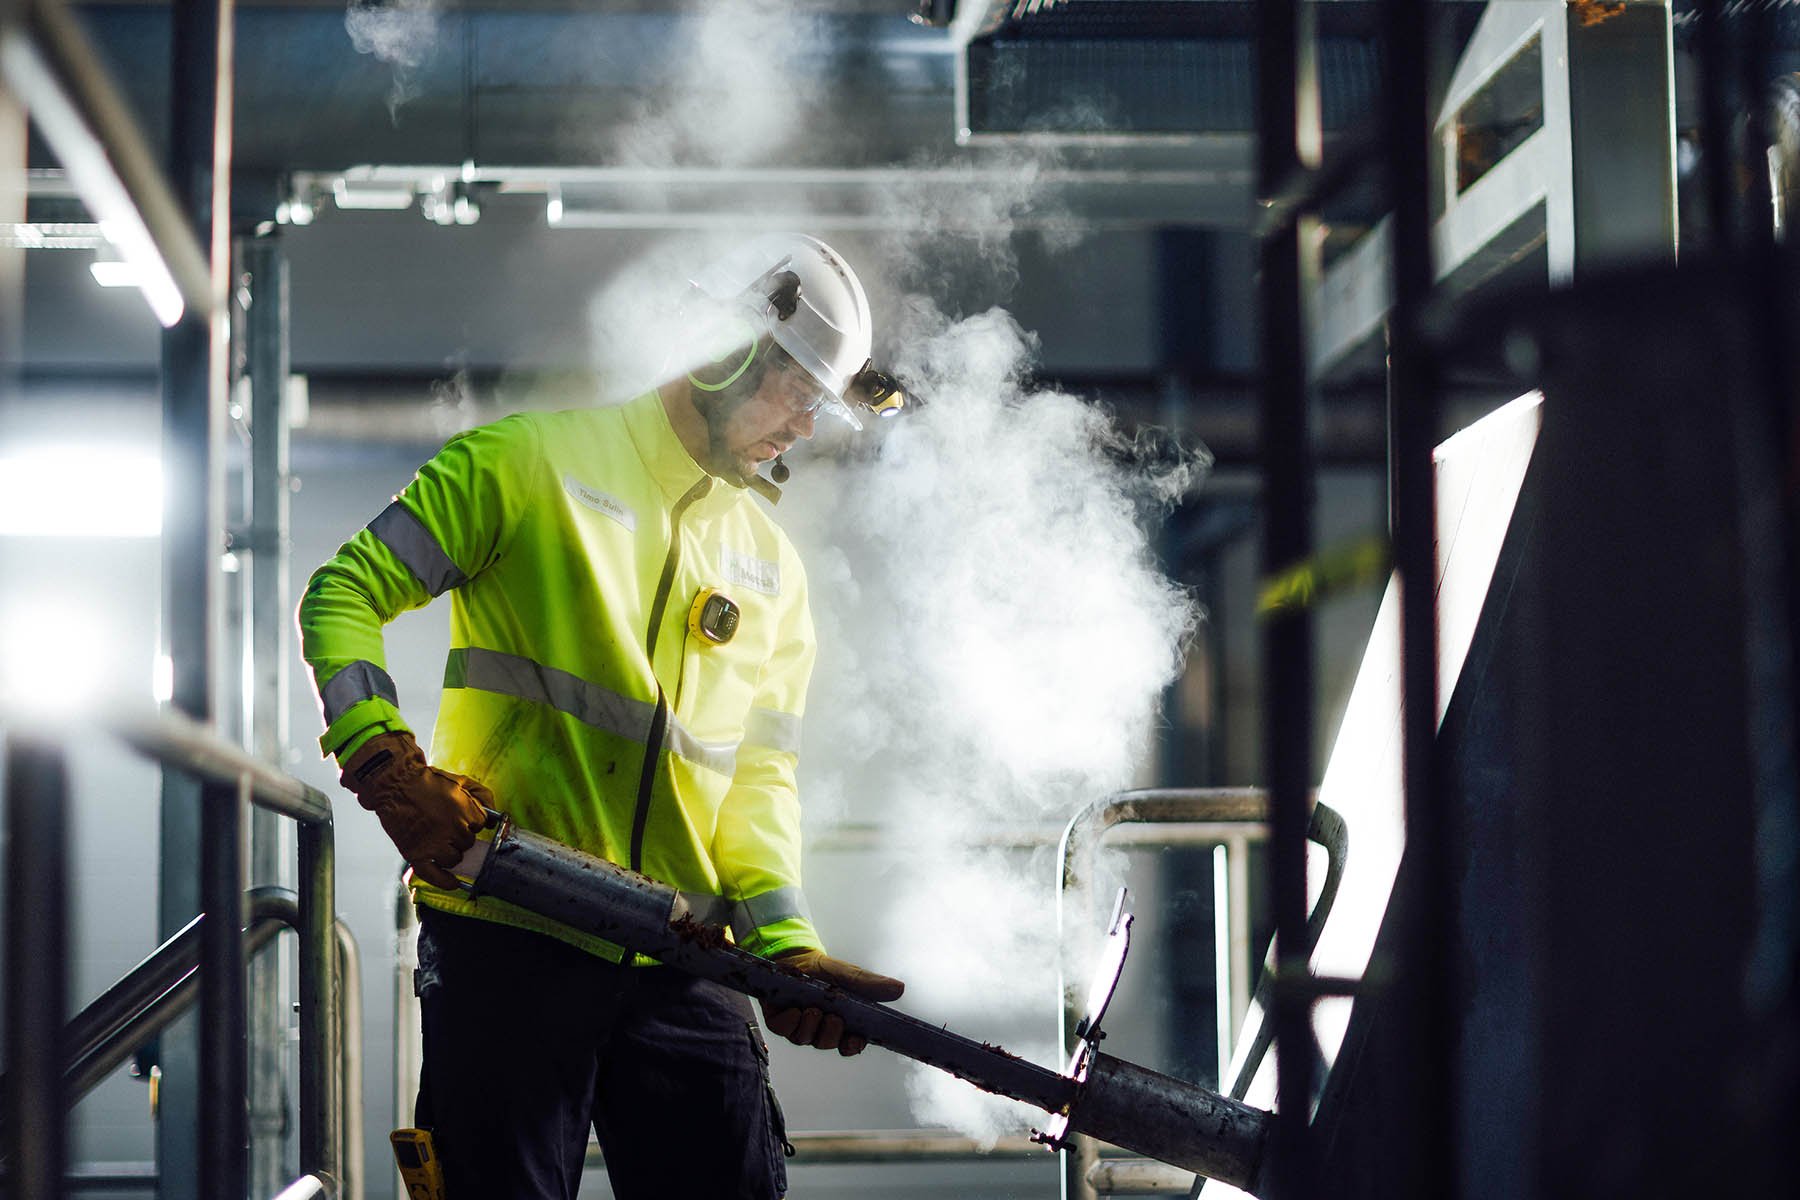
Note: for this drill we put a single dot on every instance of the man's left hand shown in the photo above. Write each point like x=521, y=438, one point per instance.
x=815, y=1027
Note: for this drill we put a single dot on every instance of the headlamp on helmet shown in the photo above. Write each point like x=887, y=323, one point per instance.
x=876, y=391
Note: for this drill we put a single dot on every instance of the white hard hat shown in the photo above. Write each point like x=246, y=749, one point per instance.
x=824, y=326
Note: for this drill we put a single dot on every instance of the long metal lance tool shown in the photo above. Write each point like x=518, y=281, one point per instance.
x=1108, y=1098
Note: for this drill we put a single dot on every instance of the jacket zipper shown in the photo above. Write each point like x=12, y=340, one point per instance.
x=659, y=722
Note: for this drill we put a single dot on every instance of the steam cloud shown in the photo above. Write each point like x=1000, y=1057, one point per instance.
x=994, y=637
x=994, y=634
x=740, y=91
x=400, y=33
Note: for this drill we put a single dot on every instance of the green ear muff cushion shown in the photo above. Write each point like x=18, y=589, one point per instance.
x=739, y=332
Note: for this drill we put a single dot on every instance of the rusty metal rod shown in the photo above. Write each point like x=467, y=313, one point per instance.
x=1118, y=1102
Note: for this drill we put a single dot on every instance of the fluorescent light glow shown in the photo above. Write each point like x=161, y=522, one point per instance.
x=553, y=207
x=391, y=197
x=53, y=657
x=90, y=169
x=80, y=491
x=110, y=272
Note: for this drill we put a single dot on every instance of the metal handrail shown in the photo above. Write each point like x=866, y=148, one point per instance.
x=1326, y=828
x=1243, y=807
x=149, y=997
x=350, y=1103
x=230, y=779
x=144, y=1001
x=179, y=741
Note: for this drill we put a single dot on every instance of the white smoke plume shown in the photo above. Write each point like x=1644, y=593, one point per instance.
x=741, y=90
x=400, y=33
x=981, y=1116
x=994, y=637
x=638, y=334
x=960, y=228
x=454, y=406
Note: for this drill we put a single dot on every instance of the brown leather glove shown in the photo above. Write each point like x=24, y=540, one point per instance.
x=815, y=1027
x=431, y=816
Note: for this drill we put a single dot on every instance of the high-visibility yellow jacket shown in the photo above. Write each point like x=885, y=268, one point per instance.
x=574, y=546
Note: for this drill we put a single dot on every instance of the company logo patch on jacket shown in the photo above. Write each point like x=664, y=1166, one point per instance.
x=757, y=574
x=600, y=502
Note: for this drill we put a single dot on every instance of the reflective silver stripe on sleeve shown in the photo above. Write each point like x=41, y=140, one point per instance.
x=703, y=907
x=714, y=756
x=588, y=702
x=396, y=528
x=749, y=915
x=774, y=729
x=361, y=680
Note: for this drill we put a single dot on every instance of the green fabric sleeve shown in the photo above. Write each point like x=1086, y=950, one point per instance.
x=756, y=845
x=466, y=504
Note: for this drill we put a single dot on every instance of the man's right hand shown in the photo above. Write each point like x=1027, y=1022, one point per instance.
x=815, y=1027
x=431, y=816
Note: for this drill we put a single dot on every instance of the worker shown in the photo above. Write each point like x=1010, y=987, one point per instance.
x=630, y=649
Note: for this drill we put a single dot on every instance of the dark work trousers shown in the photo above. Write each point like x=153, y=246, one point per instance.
x=529, y=1041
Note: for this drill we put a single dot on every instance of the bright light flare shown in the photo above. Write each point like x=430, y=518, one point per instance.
x=53, y=657
x=110, y=273
x=77, y=491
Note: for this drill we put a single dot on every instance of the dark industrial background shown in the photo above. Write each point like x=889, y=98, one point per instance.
x=1584, y=986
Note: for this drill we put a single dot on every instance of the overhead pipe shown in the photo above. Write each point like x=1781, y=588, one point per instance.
x=1118, y=1102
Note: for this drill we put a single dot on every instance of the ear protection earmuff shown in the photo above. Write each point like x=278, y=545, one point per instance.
x=736, y=337
x=782, y=299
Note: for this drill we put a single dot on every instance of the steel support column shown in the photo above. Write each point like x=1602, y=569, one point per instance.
x=266, y=543
x=224, y=1034
x=193, y=395
x=321, y=1099
x=1287, y=126
x=37, y=961
x=1428, y=975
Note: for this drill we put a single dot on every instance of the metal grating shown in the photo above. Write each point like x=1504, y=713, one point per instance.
x=1098, y=86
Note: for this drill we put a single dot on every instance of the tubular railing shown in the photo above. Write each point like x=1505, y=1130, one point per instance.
x=102, y=1036
x=148, y=998
x=1231, y=816
x=50, y=1065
